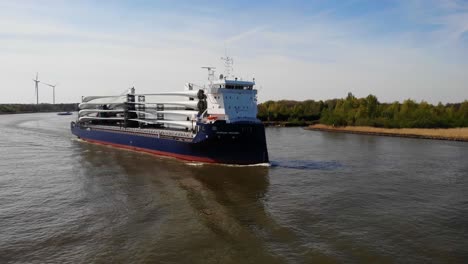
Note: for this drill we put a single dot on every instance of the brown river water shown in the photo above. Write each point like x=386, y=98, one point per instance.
x=326, y=198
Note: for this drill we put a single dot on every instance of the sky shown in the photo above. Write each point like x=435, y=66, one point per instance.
x=296, y=50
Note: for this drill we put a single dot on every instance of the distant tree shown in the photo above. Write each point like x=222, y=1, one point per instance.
x=366, y=111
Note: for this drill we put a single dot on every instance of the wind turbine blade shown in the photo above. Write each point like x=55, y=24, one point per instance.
x=182, y=93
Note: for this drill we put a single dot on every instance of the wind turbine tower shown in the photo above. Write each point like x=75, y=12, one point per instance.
x=53, y=87
x=36, y=82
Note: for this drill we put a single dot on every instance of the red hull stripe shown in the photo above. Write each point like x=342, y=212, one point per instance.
x=155, y=152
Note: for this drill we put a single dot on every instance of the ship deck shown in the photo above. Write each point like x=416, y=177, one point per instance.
x=157, y=133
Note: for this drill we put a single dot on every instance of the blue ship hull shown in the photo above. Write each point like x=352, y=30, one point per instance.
x=240, y=143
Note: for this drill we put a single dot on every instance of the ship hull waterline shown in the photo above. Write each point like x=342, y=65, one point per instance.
x=240, y=144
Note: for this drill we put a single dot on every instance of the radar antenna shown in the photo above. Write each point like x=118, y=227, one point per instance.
x=210, y=72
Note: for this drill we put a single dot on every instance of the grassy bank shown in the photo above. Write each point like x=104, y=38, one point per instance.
x=458, y=134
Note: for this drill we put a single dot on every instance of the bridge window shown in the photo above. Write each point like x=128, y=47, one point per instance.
x=238, y=87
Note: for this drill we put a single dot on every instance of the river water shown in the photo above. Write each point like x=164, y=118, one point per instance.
x=326, y=198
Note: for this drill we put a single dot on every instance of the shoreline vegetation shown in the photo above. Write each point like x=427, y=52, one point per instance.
x=36, y=108
x=454, y=134
x=369, y=116
x=367, y=111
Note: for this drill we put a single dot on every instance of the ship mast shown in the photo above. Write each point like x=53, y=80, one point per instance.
x=228, y=68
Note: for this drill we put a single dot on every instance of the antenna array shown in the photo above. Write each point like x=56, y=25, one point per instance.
x=228, y=65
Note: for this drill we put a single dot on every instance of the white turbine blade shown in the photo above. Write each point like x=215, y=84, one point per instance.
x=187, y=124
x=89, y=118
x=101, y=110
x=89, y=98
x=103, y=101
x=183, y=93
x=178, y=112
x=177, y=123
x=94, y=106
x=191, y=104
x=95, y=111
x=142, y=112
x=169, y=112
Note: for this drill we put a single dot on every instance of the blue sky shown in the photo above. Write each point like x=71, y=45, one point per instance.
x=295, y=49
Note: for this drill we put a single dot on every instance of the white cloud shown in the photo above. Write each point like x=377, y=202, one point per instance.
x=316, y=57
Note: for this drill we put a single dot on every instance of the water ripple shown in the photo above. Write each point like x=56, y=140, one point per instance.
x=306, y=164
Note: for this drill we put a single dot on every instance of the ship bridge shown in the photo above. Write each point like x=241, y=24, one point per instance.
x=232, y=100
x=233, y=84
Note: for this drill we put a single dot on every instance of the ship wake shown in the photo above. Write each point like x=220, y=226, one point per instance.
x=306, y=164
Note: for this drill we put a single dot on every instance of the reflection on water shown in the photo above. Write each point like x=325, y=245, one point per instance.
x=327, y=198
x=206, y=206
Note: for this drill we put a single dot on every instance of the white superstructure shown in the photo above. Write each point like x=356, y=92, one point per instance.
x=230, y=100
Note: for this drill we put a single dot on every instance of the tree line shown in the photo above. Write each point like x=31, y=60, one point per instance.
x=368, y=111
x=33, y=108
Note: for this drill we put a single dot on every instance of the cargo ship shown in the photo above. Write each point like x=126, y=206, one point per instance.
x=213, y=123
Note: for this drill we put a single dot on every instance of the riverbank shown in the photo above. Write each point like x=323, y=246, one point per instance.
x=288, y=123
x=456, y=134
